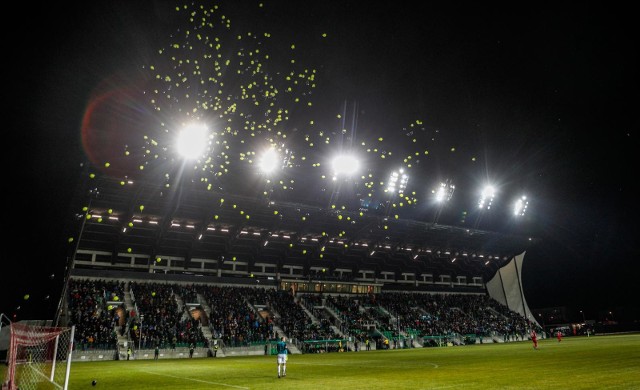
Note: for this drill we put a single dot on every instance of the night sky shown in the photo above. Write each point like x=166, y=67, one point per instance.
x=537, y=100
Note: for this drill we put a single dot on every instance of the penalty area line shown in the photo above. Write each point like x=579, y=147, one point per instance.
x=196, y=380
x=434, y=365
x=316, y=364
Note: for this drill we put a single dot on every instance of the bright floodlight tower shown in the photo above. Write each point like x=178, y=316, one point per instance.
x=192, y=144
x=192, y=141
x=396, y=184
x=443, y=195
x=343, y=167
x=271, y=161
x=485, y=202
x=520, y=206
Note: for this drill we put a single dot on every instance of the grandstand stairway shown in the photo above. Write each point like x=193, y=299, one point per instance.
x=205, y=306
x=314, y=319
x=251, y=307
x=385, y=311
x=337, y=331
x=128, y=302
x=417, y=342
x=206, y=330
x=123, y=339
x=122, y=345
x=293, y=349
x=181, y=306
x=334, y=328
x=332, y=311
x=495, y=312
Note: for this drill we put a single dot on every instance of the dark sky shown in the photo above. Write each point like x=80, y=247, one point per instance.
x=541, y=97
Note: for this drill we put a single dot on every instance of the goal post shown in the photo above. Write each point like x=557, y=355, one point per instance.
x=39, y=357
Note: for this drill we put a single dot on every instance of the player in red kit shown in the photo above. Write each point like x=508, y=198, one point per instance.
x=534, y=338
x=559, y=336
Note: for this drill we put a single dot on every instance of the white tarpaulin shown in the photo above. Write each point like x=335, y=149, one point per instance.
x=506, y=288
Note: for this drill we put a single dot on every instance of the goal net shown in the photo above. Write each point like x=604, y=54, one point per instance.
x=39, y=357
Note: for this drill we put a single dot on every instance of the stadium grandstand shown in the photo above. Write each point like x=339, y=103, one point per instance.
x=196, y=273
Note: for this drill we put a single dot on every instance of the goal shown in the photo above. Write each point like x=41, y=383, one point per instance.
x=39, y=357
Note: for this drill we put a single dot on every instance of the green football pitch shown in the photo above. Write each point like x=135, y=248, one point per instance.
x=597, y=362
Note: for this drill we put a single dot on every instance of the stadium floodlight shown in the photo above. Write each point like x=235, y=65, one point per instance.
x=192, y=141
x=397, y=182
x=486, y=197
x=344, y=165
x=269, y=161
x=520, y=206
x=444, y=192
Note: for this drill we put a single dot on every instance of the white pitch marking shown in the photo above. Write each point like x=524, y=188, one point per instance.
x=196, y=380
x=360, y=361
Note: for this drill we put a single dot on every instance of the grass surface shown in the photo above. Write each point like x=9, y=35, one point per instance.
x=597, y=362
